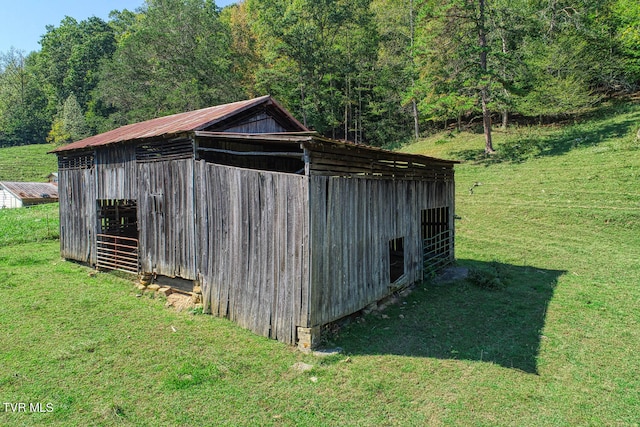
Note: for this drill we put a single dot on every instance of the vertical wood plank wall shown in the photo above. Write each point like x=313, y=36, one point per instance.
x=116, y=173
x=253, y=247
x=259, y=123
x=77, y=195
x=353, y=220
x=166, y=218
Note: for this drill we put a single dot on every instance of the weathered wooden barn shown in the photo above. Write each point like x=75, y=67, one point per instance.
x=283, y=230
x=19, y=194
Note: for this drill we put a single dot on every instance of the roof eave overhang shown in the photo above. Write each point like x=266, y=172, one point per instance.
x=93, y=147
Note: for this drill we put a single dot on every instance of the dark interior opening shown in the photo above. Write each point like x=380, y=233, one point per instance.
x=396, y=259
x=275, y=157
x=118, y=218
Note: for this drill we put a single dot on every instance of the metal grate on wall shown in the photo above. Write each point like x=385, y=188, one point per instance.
x=437, y=252
x=83, y=161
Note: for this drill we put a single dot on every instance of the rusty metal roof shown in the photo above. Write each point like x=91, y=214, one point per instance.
x=29, y=191
x=176, y=123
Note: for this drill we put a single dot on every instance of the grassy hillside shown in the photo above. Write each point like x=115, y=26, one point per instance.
x=546, y=334
x=29, y=163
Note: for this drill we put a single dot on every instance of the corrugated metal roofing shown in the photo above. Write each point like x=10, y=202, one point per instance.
x=303, y=137
x=31, y=190
x=176, y=123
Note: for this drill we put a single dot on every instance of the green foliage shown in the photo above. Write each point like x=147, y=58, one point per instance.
x=23, y=118
x=544, y=58
x=362, y=70
x=628, y=34
x=449, y=68
x=390, y=118
x=319, y=58
x=70, y=57
x=490, y=277
x=69, y=125
x=173, y=57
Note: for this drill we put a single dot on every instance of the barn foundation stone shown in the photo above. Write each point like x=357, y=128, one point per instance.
x=308, y=338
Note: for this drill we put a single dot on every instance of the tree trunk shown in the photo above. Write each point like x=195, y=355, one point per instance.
x=486, y=122
x=505, y=111
x=414, y=104
x=346, y=110
x=302, y=102
x=484, y=89
x=333, y=94
x=416, y=121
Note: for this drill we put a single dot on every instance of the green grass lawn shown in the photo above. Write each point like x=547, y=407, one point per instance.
x=555, y=343
x=29, y=224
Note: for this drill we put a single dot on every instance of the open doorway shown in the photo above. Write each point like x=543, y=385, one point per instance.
x=117, y=237
x=396, y=259
x=437, y=238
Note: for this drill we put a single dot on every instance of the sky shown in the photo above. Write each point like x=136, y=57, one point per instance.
x=23, y=22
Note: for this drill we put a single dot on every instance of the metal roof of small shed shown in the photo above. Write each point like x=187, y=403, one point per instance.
x=30, y=191
x=177, y=123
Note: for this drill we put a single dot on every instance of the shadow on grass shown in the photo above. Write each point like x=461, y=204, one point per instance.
x=499, y=321
x=590, y=133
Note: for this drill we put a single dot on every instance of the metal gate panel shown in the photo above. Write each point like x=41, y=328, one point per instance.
x=117, y=253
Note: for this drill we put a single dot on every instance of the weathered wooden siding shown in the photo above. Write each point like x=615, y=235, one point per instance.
x=166, y=218
x=353, y=220
x=77, y=193
x=328, y=158
x=259, y=123
x=116, y=172
x=253, y=247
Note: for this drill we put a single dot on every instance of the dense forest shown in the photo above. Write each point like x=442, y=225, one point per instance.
x=371, y=71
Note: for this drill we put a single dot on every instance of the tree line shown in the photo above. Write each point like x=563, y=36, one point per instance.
x=371, y=71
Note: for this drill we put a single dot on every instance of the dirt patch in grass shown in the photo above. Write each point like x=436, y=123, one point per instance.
x=180, y=302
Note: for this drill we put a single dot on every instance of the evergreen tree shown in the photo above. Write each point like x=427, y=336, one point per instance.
x=69, y=125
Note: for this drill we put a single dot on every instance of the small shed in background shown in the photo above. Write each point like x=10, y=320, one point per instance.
x=53, y=178
x=284, y=231
x=19, y=194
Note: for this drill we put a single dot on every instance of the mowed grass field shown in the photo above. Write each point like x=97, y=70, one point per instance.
x=545, y=333
x=29, y=163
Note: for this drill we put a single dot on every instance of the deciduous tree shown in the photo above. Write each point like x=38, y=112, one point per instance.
x=174, y=57
x=23, y=117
